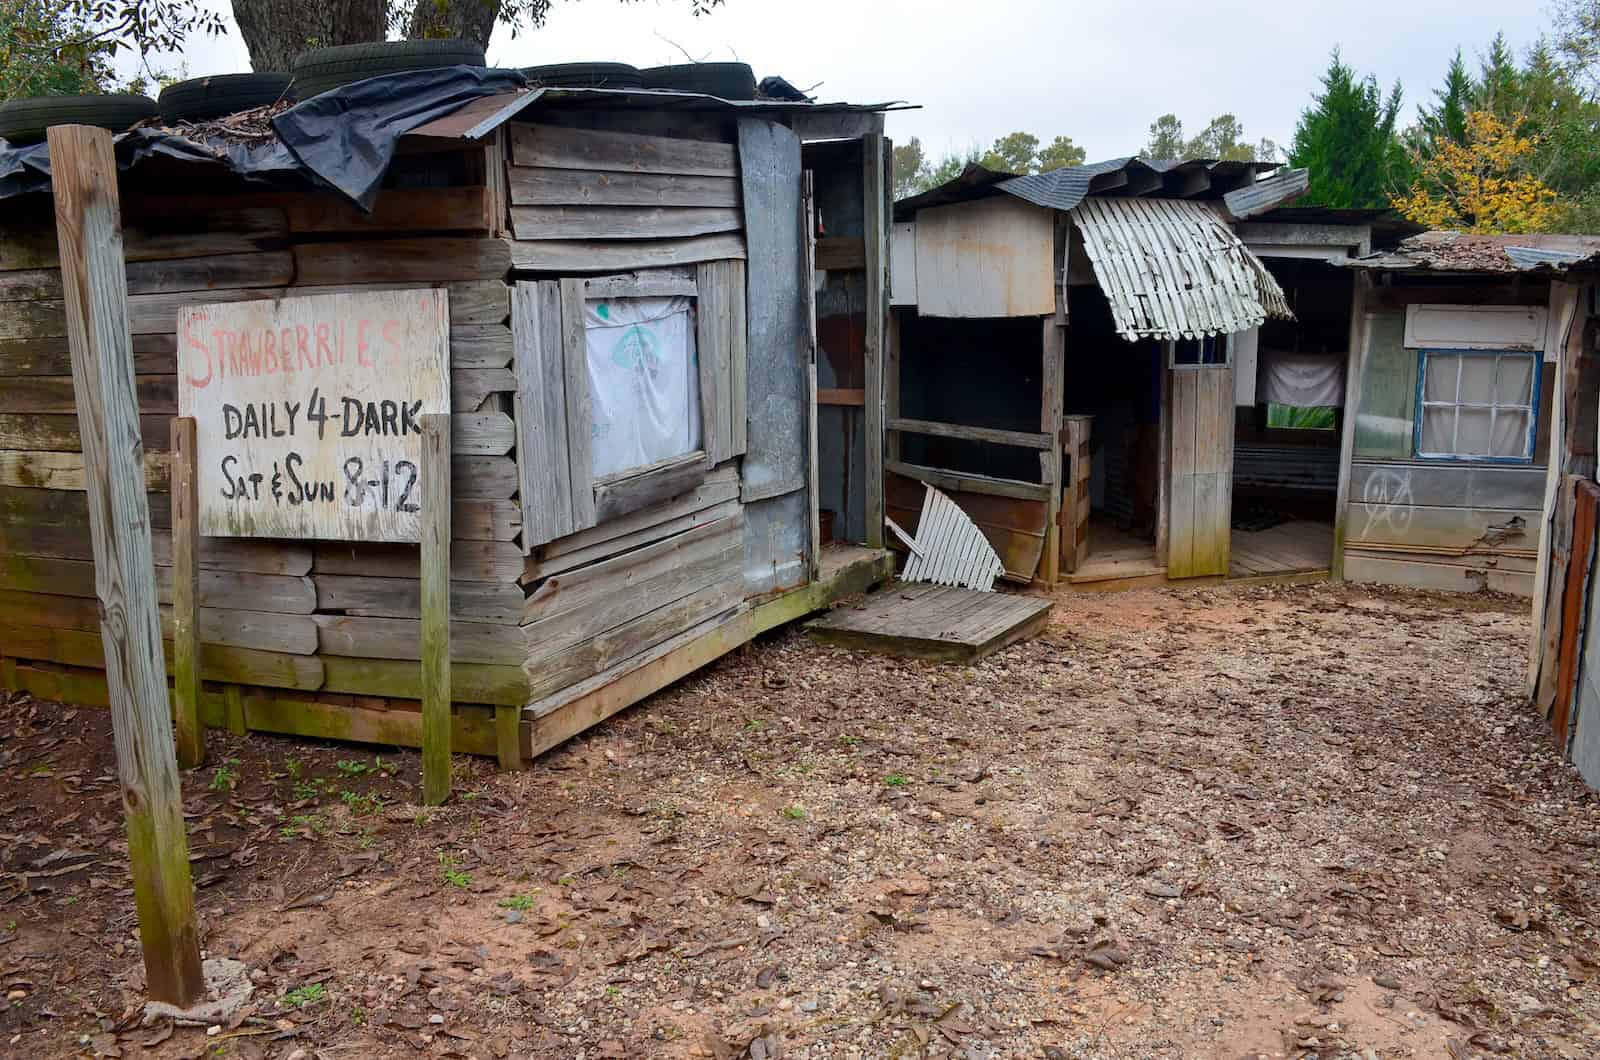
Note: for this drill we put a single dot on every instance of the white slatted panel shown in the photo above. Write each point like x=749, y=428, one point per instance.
x=949, y=549
x=1172, y=269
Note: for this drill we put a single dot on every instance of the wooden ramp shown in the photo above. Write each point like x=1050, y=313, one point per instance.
x=940, y=622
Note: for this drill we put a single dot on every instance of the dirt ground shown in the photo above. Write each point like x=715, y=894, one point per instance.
x=1237, y=822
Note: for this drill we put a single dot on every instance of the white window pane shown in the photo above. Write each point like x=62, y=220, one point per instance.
x=1510, y=434
x=1472, y=432
x=1515, y=385
x=644, y=389
x=1477, y=380
x=1441, y=377
x=1438, y=428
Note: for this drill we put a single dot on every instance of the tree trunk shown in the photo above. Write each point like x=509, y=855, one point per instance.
x=276, y=31
x=471, y=20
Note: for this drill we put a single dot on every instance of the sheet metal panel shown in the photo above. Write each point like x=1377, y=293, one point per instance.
x=1448, y=485
x=775, y=467
x=1171, y=269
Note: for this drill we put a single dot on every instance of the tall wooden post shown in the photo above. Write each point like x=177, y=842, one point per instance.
x=1053, y=344
x=88, y=226
x=435, y=609
x=185, y=596
x=874, y=226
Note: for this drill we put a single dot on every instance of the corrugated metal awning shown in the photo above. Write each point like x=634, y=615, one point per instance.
x=1172, y=269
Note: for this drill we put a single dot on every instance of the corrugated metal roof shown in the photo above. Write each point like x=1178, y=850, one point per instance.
x=1283, y=186
x=1173, y=269
x=1065, y=188
x=1474, y=253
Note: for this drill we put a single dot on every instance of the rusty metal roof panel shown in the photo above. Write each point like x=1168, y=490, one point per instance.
x=1173, y=269
x=1470, y=252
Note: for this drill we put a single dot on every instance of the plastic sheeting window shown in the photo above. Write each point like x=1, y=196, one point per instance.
x=644, y=382
x=1477, y=405
x=1302, y=391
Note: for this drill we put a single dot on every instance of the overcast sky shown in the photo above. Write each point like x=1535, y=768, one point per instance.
x=1099, y=73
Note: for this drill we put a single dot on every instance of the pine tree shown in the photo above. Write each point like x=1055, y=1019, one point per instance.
x=1347, y=140
x=1166, y=139
x=1447, y=118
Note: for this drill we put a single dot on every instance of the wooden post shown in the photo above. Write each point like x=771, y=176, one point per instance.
x=874, y=227
x=185, y=596
x=808, y=217
x=1355, y=367
x=508, y=736
x=435, y=609
x=95, y=289
x=1053, y=340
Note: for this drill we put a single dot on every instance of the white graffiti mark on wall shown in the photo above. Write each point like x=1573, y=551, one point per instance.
x=1387, y=495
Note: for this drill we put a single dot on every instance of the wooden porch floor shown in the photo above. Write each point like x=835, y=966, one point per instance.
x=940, y=622
x=1299, y=546
x=1118, y=559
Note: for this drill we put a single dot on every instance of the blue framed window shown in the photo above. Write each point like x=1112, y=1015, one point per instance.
x=1477, y=405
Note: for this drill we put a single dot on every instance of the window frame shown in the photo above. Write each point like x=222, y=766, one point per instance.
x=628, y=490
x=1535, y=359
x=1225, y=341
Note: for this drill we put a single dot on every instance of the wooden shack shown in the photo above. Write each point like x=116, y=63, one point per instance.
x=1062, y=361
x=577, y=587
x=1446, y=479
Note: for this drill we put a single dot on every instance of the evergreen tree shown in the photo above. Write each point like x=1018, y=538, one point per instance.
x=1347, y=140
x=910, y=168
x=1447, y=118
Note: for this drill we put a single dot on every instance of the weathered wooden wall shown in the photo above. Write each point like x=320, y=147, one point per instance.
x=568, y=593
x=330, y=626
x=1438, y=524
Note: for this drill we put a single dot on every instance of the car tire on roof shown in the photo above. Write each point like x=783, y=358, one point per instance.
x=324, y=69
x=584, y=75
x=723, y=80
x=205, y=98
x=24, y=121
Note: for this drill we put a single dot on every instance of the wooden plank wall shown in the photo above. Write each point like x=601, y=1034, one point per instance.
x=654, y=200
x=1435, y=524
x=324, y=635
x=623, y=196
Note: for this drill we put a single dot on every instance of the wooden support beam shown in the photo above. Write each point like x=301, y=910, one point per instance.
x=435, y=609
x=968, y=483
x=853, y=396
x=1050, y=407
x=186, y=595
x=89, y=235
x=875, y=228
x=808, y=214
x=508, y=736
x=1355, y=369
x=1022, y=439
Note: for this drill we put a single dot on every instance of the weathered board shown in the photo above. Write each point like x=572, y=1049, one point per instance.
x=943, y=622
x=309, y=411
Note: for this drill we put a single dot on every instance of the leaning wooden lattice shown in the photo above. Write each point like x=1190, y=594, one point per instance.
x=949, y=549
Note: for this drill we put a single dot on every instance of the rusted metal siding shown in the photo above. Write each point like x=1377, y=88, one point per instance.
x=1171, y=269
x=989, y=258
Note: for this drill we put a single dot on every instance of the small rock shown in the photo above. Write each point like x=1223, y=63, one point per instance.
x=1388, y=982
x=213, y=1030
x=513, y=916
x=435, y=1018
x=809, y=1005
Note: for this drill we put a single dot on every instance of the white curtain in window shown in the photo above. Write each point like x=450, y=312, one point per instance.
x=1306, y=380
x=644, y=387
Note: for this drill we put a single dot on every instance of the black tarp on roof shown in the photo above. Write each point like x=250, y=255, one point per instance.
x=343, y=139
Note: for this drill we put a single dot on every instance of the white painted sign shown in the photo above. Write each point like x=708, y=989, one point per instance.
x=309, y=411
